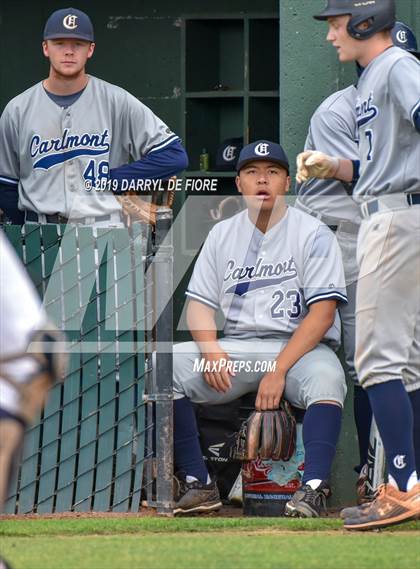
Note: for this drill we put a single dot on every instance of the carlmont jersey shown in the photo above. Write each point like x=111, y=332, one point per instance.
x=333, y=131
x=388, y=97
x=59, y=156
x=265, y=283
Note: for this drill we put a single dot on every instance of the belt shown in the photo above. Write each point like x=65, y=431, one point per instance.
x=58, y=218
x=333, y=223
x=390, y=202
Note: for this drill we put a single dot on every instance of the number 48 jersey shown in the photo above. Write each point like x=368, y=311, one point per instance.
x=61, y=157
x=265, y=283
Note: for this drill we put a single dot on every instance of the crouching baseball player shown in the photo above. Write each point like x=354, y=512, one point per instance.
x=277, y=276
x=25, y=375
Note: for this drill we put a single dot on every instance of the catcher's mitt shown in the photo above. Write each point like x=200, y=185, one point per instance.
x=144, y=209
x=267, y=434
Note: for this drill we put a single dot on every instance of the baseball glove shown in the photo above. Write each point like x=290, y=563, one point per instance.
x=267, y=434
x=137, y=208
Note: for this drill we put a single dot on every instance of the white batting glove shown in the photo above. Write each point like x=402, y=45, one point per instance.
x=314, y=164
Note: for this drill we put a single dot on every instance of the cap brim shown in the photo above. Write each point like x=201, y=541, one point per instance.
x=242, y=164
x=68, y=36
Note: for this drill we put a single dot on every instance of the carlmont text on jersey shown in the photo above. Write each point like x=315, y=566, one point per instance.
x=95, y=142
x=260, y=269
x=366, y=111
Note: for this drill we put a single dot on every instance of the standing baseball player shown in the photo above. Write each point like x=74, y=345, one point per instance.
x=333, y=130
x=276, y=275
x=66, y=143
x=388, y=295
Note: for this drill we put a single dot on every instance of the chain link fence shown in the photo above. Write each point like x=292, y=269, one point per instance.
x=88, y=450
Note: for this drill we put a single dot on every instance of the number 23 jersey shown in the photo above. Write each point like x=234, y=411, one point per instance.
x=265, y=283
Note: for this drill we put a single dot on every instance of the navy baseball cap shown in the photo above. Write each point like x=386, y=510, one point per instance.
x=69, y=23
x=263, y=150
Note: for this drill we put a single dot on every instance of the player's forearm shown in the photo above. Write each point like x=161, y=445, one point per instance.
x=345, y=170
x=308, y=335
x=162, y=164
x=202, y=325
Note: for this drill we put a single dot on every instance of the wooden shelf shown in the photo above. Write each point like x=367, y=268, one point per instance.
x=211, y=94
x=220, y=94
x=274, y=94
x=239, y=53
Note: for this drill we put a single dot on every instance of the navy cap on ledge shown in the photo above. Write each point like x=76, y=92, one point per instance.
x=69, y=23
x=403, y=37
x=262, y=150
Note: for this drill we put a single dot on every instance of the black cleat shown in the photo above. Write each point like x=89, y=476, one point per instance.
x=308, y=503
x=196, y=497
x=364, y=492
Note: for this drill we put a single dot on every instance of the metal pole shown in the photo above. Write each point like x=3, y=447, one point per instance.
x=163, y=267
x=150, y=387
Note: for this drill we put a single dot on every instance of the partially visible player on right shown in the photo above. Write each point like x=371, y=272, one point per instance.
x=388, y=296
x=333, y=130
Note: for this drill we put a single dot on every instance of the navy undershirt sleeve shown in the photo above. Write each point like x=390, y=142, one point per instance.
x=159, y=164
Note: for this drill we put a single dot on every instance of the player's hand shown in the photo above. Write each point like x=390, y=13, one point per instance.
x=270, y=391
x=219, y=379
x=314, y=164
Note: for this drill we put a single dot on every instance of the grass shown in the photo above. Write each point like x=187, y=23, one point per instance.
x=204, y=543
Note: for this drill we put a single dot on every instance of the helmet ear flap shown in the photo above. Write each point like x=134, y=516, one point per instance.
x=356, y=32
x=376, y=23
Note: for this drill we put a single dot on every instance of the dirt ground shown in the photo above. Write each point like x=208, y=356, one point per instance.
x=224, y=512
